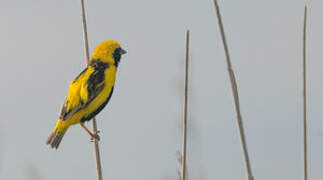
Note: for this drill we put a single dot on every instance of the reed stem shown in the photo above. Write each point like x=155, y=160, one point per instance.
x=94, y=124
x=304, y=96
x=235, y=94
x=184, y=148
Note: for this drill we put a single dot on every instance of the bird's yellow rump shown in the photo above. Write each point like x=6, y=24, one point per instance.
x=90, y=91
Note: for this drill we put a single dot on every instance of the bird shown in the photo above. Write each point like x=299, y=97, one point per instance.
x=89, y=92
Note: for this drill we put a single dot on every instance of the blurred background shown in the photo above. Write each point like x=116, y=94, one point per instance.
x=42, y=51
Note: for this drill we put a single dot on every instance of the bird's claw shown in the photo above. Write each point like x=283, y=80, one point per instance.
x=95, y=136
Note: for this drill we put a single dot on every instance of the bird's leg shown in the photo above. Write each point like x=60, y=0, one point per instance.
x=94, y=135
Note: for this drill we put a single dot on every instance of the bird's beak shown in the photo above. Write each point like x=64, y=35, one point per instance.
x=122, y=51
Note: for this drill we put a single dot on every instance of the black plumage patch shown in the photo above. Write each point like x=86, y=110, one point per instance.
x=98, y=65
x=117, y=56
x=99, y=109
x=95, y=83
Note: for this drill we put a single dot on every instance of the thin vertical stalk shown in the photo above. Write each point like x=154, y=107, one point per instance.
x=86, y=44
x=304, y=96
x=235, y=94
x=94, y=124
x=184, y=148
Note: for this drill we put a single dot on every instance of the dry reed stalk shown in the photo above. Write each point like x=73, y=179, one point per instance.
x=235, y=94
x=94, y=124
x=184, y=148
x=304, y=96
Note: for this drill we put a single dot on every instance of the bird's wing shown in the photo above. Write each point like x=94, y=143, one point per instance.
x=82, y=91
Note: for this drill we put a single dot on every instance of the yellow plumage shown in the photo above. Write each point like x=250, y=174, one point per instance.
x=90, y=91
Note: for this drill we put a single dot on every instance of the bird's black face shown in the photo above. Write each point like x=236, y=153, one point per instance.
x=117, y=55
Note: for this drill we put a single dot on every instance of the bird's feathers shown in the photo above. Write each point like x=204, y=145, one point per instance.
x=55, y=138
x=90, y=91
x=84, y=89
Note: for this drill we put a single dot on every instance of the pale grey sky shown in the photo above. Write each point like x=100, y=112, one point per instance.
x=42, y=51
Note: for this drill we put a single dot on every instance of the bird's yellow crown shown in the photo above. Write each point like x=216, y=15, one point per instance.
x=105, y=51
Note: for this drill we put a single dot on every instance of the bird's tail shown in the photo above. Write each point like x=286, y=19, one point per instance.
x=56, y=136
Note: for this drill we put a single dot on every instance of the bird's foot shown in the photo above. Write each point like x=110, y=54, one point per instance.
x=95, y=136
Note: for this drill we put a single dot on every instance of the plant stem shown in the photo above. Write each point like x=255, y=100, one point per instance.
x=184, y=148
x=94, y=124
x=304, y=96
x=86, y=43
x=235, y=94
